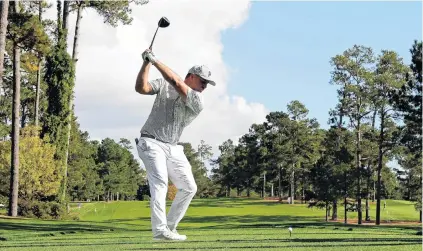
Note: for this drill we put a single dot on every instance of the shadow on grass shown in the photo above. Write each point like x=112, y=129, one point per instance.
x=230, y=202
x=53, y=229
x=20, y=226
x=283, y=221
x=230, y=222
x=354, y=242
x=267, y=247
x=244, y=220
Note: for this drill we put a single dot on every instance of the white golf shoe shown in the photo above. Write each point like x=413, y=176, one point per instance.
x=176, y=232
x=169, y=236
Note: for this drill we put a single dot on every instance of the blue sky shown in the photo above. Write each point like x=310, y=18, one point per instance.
x=282, y=52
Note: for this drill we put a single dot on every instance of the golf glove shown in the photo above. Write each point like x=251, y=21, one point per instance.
x=149, y=56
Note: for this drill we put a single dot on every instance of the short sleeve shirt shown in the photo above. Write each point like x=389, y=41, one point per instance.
x=170, y=114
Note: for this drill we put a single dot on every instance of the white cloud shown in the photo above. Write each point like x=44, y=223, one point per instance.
x=109, y=60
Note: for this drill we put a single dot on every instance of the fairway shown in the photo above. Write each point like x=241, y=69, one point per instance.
x=213, y=224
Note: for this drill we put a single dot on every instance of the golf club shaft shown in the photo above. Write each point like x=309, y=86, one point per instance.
x=151, y=45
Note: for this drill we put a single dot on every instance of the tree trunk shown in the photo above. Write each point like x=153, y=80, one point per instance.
x=65, y=23
x=303, y=195
x=23, y=118
x=76, y=37
x=379, y=165
x=420, y=213
x=358, y=153
x=280, y=183
x=3, y=29
x=335, y=210
x=292, y=189
x=367, y=199
x=37, y=89
x=292, y=186
x=374, y=191
x=14, y=172
x=345, y=200
x=326, y=211
x=74, y=55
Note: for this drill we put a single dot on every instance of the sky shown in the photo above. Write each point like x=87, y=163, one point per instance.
x=283, y=51
x=262, y=54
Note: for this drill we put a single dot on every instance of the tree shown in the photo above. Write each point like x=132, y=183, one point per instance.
x=352, y=71
x=38, y=174
x=113, y=13
x=59, y=75
x=118, y=169
x=277, y=123
x=25, y=29
x=370, y=159
x=204, y=151
x=389, y=76
x=250, y=144
x=204, y=185
x=40, y=57
x=83, y=181
x=408, y=101
x=223, y=167
x=14, y=170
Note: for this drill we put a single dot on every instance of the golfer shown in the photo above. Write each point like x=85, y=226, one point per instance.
x=176, y=105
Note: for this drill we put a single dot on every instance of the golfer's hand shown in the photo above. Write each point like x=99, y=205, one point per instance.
x=149, y=56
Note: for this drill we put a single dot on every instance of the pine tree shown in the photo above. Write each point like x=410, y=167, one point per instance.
x=60, y=72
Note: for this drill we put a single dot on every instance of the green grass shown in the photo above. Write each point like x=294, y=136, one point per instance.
x=214, y=224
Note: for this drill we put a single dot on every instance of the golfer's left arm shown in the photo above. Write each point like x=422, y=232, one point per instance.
x=173, y=79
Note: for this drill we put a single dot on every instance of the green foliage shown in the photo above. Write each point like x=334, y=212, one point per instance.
x=25, y=29
x=113, y=12
x=223, y=168
x=332, y=175
x=38, y=172
x=205, y=187
x=83, y=179
x=42, y=209
x=59, y=76
x=118, y=170
x=408, y=101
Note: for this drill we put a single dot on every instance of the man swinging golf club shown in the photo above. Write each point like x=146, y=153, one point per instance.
x=176, y=105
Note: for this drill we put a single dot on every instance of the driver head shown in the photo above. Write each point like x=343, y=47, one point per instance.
x=164, y=22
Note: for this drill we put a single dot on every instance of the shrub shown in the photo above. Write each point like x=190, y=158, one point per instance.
x=171, y=192
x=41, y=209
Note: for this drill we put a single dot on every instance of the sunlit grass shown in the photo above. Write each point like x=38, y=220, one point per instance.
x=214, y=224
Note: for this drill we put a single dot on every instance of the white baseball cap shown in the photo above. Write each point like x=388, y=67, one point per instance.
x=203, y=72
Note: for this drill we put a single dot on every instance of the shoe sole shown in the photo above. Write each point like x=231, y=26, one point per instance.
x=164, y=239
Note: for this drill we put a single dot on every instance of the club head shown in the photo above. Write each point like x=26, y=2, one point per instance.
x=164, y=22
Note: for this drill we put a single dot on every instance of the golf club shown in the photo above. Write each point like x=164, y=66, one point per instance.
x=163, y=23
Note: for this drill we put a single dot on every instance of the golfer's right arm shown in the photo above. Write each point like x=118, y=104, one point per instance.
x=141, y=85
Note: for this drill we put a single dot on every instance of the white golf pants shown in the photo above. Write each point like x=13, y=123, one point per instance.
x=164, y=160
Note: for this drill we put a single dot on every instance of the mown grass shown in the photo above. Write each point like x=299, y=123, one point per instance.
x=214, y=224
